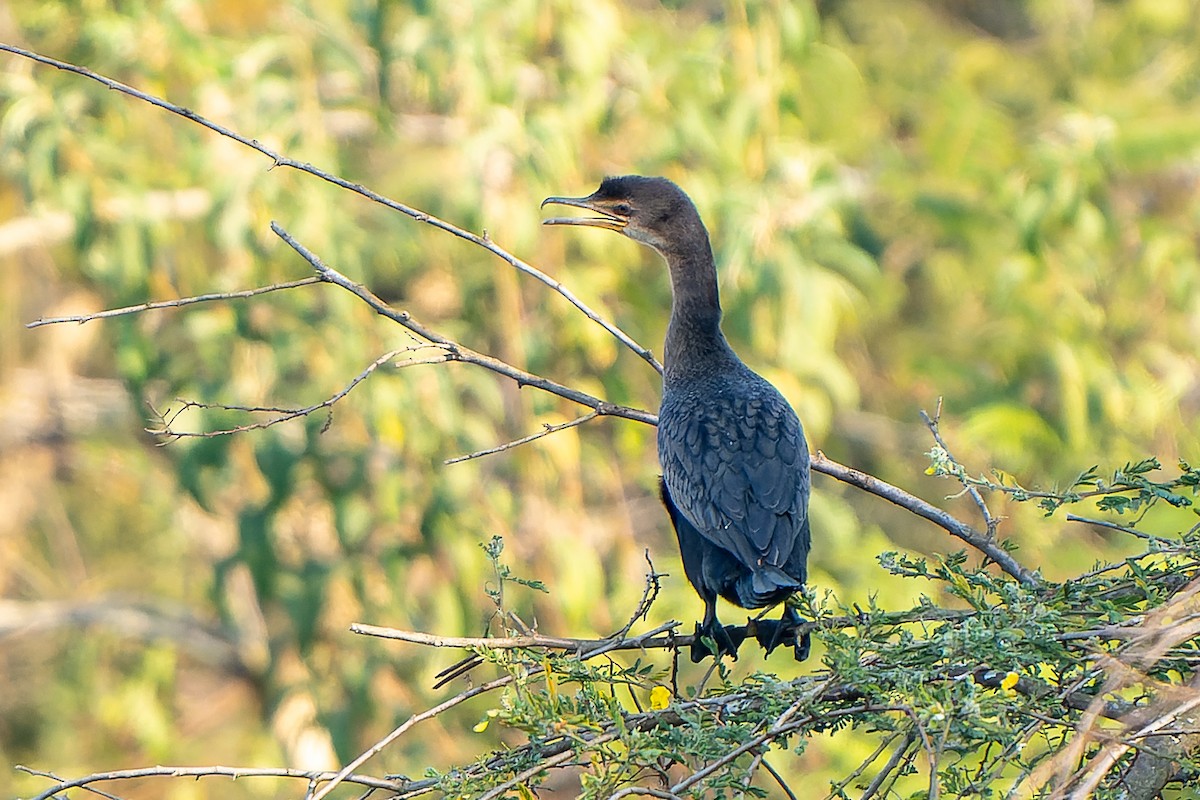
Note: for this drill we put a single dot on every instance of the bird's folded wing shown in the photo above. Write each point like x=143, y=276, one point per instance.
x=738, y=470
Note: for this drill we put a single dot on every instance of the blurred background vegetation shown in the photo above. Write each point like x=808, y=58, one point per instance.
x=994, y=202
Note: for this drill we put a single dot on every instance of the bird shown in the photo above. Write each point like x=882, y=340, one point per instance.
x=735, y=463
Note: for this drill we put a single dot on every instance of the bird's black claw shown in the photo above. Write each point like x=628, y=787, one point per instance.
x=728, y=639
x=772, y=633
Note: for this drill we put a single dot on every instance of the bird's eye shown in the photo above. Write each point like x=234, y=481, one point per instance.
x=624, y=209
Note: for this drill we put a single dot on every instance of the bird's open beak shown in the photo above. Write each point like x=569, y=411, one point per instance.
x=606, y=218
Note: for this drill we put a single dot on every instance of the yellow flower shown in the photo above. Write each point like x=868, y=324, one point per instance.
x=660, y=698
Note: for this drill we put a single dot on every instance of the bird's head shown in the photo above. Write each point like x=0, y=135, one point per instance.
x=653, y=211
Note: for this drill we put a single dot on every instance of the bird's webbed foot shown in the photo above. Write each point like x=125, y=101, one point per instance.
x=771, y=633
x=727, y=638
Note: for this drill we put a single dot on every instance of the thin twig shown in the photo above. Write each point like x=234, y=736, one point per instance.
x=649, y=595
x=778, y=779
x=378, y=747
x=177, y=303
x=898, y=754
x=547, y=429
x=498, y=642
x=770, y=735
x=1103, y=523
x=861, y=768
x=650, y=640
x=645, y=791
x=541, y=766
x=283, y=161
x=283, y=414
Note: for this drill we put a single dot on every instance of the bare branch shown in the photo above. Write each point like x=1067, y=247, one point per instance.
x=178, y=303
x=456, y=351
x=378, y=747
x=541, y=766
x=587, y=648
x=283, y=414
x=600, y=648
x=547, y=429
x=279, y=160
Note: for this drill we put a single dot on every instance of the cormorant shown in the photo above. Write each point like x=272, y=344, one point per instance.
x=735, y=465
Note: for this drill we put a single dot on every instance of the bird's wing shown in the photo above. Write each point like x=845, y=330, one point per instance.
x=738, y=468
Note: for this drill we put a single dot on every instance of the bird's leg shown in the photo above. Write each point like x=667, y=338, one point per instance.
x=727, y=638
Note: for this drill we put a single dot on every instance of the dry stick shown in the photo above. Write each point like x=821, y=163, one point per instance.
x=454, y=350
x=282, y=161
x=203, y=772
x=285, y=415
x=645, y=791
x=541, y=766
x=759, y=757
x=177, y=303
x=897, y=756
x=770, y=735
x=499, y=642
x=645, y=641
x=778, y=779
x=861, y=768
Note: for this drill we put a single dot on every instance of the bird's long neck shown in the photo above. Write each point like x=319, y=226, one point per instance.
x=694, y=344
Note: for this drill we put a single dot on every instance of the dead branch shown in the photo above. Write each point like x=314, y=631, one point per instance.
x=167, y=418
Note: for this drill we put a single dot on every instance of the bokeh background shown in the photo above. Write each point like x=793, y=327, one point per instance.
x=992, y=202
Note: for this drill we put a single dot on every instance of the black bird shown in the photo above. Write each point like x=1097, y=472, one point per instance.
x=735, y=465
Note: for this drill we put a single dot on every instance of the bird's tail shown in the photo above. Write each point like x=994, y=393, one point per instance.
x=765, y=586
